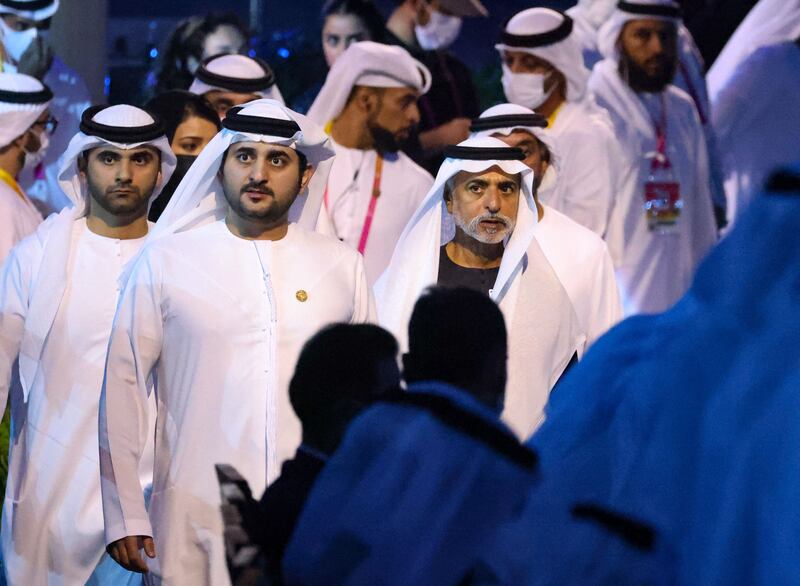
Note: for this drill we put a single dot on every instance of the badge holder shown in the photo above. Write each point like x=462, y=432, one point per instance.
x=662, y=193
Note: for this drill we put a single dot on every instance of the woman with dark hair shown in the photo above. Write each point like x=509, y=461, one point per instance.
x=349, y=21
x=190, y=123
x=194, y=40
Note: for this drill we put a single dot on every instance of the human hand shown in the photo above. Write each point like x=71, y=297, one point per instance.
x=449, y=133
x=125, y=552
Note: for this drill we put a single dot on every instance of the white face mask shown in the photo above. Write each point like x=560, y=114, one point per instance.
x=525, y=89
x=33, y=159
x=440, y=32
x=17, y=42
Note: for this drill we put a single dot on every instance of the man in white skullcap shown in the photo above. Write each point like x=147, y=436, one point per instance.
x=232, y=80
x=25, y=125
x=663, y=222
x=476, y=228
x=25, y=32
x=370, y=99
x=230, y=284
x=579, y=257
x=58, y=295
x=759, y=130
x=543, y=70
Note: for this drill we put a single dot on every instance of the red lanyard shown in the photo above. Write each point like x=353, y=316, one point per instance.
x=373, y=203
x=661, y=137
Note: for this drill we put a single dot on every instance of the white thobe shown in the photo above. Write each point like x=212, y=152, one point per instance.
x=403, y=186
x=582, y=263
x=70, y=98
x=587, y=166
x=218, y=322
x=18, y=218
x=758, y=121
x=52, y=528
x=654, y=270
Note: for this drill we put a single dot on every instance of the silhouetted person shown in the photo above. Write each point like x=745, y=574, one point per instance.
x=341, y=370
x=425, y=476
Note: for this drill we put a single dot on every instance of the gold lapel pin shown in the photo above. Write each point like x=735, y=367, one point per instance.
x=301, y=296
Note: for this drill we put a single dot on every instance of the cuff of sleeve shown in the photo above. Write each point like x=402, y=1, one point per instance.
x=129, y=528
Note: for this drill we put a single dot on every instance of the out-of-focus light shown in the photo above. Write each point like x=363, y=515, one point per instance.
x=106, y=85
x=153, y=53
x=252, y=53
x=283, y=52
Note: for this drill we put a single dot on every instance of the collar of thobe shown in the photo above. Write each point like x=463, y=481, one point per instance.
x=114, y=126
x=367, y=64
x=238, y=74
x=625, y=12
x=415, y=261
x=22, y=100
x=505, y=119
x=30, y=9
x=549, y=35
x=199, y=198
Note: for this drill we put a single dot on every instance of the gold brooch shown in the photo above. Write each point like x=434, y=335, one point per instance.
x=301, y=296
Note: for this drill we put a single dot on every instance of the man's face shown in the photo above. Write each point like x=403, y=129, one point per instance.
x=484, y=205
x=393, y=114
x=121, y=181
x=424, y=9
x=19, y=23
x=339, y=32
x=225, y=39
x=223, y=101
x=33, y=138
x=536, y=153
x=262, y=180
x=521, y=62
x=648, y=54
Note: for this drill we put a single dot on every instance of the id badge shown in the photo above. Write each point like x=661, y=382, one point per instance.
x=662, y=204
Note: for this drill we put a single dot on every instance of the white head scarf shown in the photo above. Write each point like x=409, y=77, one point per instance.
x=415, y=261
x=22, y=100
x=200, y=199
x=368, y=64
x=608, y=35
x=768, y=23
x=595, y=12
x=505, y=119
x=30, y=9
x=123, y=127
x=548, y=34
x=238, y=74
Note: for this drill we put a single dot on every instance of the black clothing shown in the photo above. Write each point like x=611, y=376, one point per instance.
x=453, y=275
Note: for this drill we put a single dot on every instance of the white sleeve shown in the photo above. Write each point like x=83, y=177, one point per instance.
x=364, y=309
x=133, y=351
x=15, y=278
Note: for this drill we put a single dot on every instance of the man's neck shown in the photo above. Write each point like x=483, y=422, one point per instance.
x=401, y=24
x=553, y=103
x=467, y=252
x=351, y=133
x=108, y=225
x=254, y=229
x=11, y=161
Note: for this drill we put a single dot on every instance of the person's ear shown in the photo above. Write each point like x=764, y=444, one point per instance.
x=367, y=100
x=448, y=198
x=308, y=173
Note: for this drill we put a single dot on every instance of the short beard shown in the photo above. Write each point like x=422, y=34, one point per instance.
x=383, y=140
x=132, y=208
x=472, y=229
x=642, y=82
x=269, y=215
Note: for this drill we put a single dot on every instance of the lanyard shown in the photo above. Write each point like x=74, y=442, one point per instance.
x=373, y=203
x=661, y=138
x=6, y=178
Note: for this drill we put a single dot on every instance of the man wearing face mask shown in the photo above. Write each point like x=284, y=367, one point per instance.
x=370, y=100
x=427, y=28
x=25, y=26
x=25, y=122
x=663, y=221
x=543, y=70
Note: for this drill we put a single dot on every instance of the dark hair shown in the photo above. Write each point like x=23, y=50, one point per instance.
x=187, y=41
x=175, y=106
x=453, y=336
x=339, y=365
x=364, y=10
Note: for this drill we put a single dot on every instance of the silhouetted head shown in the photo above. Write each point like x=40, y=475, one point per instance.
x=458, y=336
x=342, y=369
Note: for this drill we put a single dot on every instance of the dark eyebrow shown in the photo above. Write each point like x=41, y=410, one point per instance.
x=478, y=181
x=107, y=153
x=276, y=153
x=244, y=149
x=508, y=183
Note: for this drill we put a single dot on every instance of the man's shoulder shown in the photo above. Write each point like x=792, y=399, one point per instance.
x=325, y=248
x=417, y=173
x=566, y=232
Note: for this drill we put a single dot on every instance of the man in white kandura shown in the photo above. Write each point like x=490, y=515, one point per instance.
x=543, y=70
x=25, y=124
x=663, y=223
x=370, y=99
x=476, y=229
x=229, y=285
x=232, y=80
x=579, y=257
x=58, y=294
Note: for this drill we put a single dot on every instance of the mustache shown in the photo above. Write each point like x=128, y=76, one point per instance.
x=505, y=220
x=254, y=187
x=128, y=188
